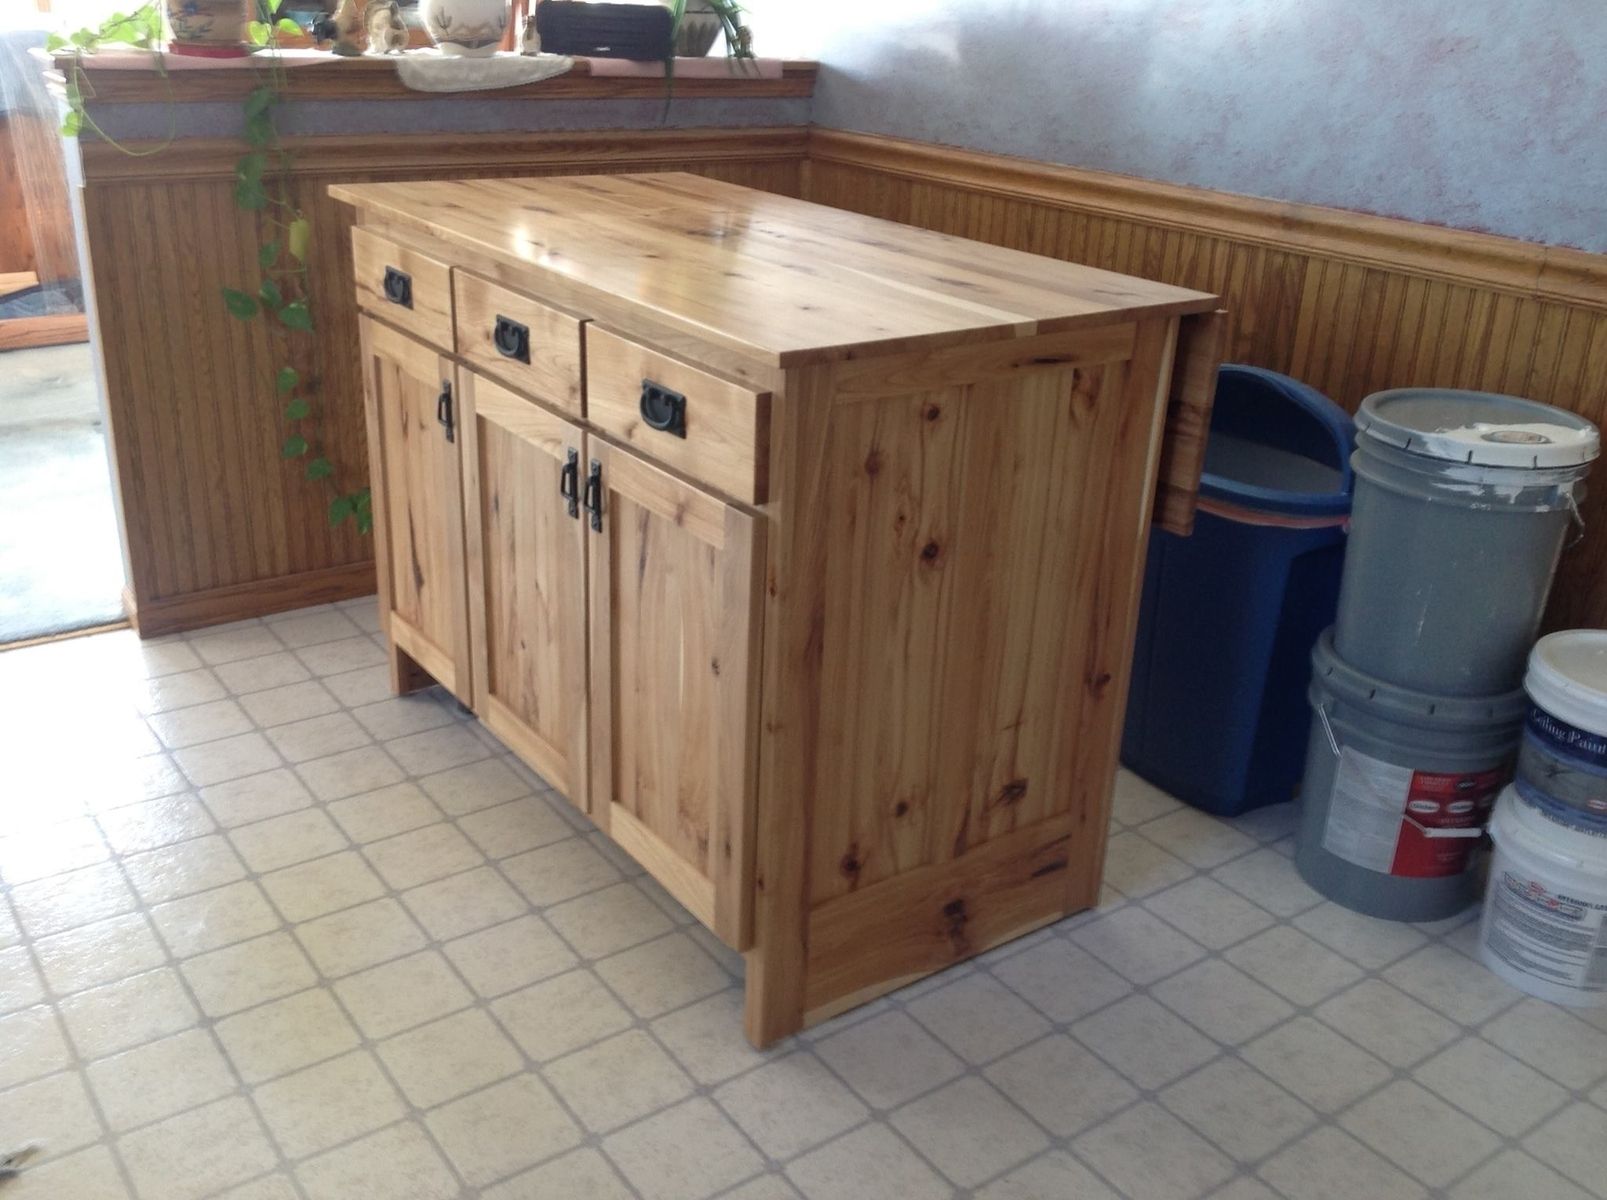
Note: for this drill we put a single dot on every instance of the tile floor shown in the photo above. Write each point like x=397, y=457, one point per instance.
x=270, y=934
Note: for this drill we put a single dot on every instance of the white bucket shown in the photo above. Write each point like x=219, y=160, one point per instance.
x=1562, y=764
x=1544, y=927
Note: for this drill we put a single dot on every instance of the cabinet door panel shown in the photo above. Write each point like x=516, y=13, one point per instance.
x=418, y=503
x=527, y=579
x=674, y=625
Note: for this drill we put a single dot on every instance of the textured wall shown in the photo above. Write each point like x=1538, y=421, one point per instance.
x=1480, y=114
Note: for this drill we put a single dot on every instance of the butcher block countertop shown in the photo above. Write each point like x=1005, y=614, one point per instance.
x=778, y=280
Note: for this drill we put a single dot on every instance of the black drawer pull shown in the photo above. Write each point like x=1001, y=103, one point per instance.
x=663, y=408
x=569, y=483
x=594, y=495
x=398, y=287
x=443, y=409
x=511, y=339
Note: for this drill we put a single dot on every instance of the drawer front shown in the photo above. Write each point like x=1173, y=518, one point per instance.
x=715, y=431
x=410, y=290
x=524, y=343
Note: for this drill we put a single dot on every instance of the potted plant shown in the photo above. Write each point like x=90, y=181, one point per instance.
x=699, y=22
x=210, y=28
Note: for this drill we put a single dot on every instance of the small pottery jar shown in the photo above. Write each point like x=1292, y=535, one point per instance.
x=210, y=28
x=699, y=27
x=465, y=27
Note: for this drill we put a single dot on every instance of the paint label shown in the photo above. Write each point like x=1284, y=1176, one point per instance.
x=1548, y=934
x=1415, y=824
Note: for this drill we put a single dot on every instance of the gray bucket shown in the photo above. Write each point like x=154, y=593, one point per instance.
x=1463, y=501
x=1397, y=789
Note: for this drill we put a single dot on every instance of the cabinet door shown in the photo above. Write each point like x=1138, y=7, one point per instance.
x=526, y=554
x=418, y=507
x=674, y=682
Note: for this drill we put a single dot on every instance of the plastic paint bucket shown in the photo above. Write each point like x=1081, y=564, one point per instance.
x=1397, y=789
x=1562, y=764
x=1463, y=501
x=1544, y=927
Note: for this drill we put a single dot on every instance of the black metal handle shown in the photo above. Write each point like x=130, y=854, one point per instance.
x=663, y=408
x=398, y=287
x=511, y=339
x=443, y=409
x=569, y=483
x=594, y=495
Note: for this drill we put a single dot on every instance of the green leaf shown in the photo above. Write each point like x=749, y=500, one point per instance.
x=71, y=124
x=297, y=409
x=259, y=130
x=268, y=254
x=85, y=39
x=365, y=511
x=319, y=468
x=251, y=166
x=56, y=42
x=257, y=33
x=259, y=101
x=272, y=5
x=296, y=315
x=340, y=509
x=288, y=27
x=239, y=303
x=249, y=195
x=270, y=295
x=295, y=446
x=300, y=235
x=285, y=380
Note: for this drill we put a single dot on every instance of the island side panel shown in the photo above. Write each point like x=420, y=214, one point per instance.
x=951, y=588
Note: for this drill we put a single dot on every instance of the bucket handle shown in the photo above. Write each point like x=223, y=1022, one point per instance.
x=1577, y=520
x=1333, y=742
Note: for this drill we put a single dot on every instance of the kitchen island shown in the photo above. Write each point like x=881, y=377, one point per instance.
x=798, y=549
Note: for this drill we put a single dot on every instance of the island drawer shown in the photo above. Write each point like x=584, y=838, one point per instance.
x=706, y=427
x=400, y=285
x=524, y=343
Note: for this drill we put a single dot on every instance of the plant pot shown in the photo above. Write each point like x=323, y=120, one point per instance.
x=698, y=31
x=209, y=28
x=468, y=28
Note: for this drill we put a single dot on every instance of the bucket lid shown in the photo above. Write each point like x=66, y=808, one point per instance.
x=1403, y=705
x=1482, y=428
x=1516, y=822
x=1568, y=677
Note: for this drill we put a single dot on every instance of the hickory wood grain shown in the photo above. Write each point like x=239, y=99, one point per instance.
x=552, y=366
x=428, y=315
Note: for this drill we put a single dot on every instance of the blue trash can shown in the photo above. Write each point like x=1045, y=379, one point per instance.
x=1217, y=712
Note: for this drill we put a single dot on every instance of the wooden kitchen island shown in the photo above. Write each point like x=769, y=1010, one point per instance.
x=799, y=549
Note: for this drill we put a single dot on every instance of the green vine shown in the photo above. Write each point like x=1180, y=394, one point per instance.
x=138, y=30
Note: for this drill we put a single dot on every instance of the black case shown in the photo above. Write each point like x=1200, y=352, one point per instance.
x=638, y=31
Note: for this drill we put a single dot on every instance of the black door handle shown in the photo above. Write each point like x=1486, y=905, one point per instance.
x=398, y=287
x=663, y=408
x=594, y=495
x=443, y=409
x=511, y=339
x=569, y=484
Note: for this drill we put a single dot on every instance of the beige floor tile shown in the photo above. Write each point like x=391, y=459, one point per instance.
x=1420, y=1133
x=356, y=938
x=871, y=1163
x=769, y=1186
x=1143, y=1041
x=1197, y=838
x=1573, y=1143
x=450, y=1057
x=506, y=1128
x=384, y=813
x=292, y=702
x=887, y=1059
x=247, y=973
x=1222, y=1001
x=685, y=1152
x=1237, y=1109
x=226, y=759
x=159, y=1079
x=99, y=953
x=327, y=1104
x=262, y=672
x=977, y=1018
x=20, y=985
x=1298, y=968
x=120, y=1015
x=397, y=716
x=969, y=1131
x=1136, y=944
x=1329, y=1164
x=87, y=1175
x=607, y=921
x=182, y=727
x=706, y=1037
x=1137, y=800
x=1213, y=915
x=663, y=974
x=256, y=797
x=286, y=1035
x=1055, y=1174
x=338, y=657
x=309, y=628
x=197, y=865
x=247, y=641
x=580, y=1173
x=560, y=1014
x=437, y=750
x=208, y=920
x=1316, y=1064
x=55, y=1111
x=510, y=956
x=350, y=773
x=1490, y=1084
x=1147, y=1152
x=1514, y=1175
x=612, y=1082
x=474, y=786
x=286, y=840
x=558, y=872
x=198, y=1152
x=1368, y=941
x=1388, y=1022
x=317, y=737
x=365, y=685
x=422, y=855
x=50, y=850
x=324, y=885
x=398, y=1161
x=1059, y=1083
x=1552, y=1041
x=1061, y=980
x=399, y=995
x=514, y=828
x=153, y=823
x=1136, y=866
x=268, y=1187
x=178, y=690
x=1452, y=984
x=1270, y=880
x=462, y=903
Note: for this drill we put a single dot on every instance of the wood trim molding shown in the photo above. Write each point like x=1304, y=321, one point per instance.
x=1478, y=259
x=376, y=156
x=218, y=606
